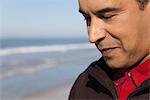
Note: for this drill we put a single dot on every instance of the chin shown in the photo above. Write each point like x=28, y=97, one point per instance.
x=115, y=64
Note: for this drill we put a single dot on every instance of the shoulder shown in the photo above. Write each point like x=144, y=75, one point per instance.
x=91, y=83
x=84, y=74
x=80, y=82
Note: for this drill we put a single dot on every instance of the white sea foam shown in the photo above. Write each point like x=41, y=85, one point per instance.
x=48, y=48
x=25, y=70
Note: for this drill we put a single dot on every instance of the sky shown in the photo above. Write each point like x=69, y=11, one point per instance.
x=41, y=18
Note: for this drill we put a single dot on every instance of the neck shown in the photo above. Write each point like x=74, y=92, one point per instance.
x=145, y=58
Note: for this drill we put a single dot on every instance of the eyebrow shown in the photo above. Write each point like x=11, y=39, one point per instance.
x=101, y=11
x=105, y=10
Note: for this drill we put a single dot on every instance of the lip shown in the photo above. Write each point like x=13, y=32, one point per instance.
x=106, y=51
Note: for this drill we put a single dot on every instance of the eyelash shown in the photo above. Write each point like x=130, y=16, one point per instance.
x=101, y=17
x=106, y=17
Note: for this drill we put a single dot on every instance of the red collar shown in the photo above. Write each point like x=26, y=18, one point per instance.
x=131, y=79
x=139, y=74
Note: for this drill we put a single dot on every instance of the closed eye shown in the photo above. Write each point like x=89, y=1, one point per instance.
x=106, y=13
x=106, y=17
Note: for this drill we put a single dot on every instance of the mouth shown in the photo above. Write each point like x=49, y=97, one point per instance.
x=107, y=50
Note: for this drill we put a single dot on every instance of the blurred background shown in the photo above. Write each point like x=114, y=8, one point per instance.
x=43, y=49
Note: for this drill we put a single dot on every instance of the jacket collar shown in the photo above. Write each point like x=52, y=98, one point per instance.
x=100, y=72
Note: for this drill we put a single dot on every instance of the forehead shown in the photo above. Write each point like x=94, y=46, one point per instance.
x=93, y=5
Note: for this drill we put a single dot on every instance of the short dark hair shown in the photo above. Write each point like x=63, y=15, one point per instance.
x=142, y=3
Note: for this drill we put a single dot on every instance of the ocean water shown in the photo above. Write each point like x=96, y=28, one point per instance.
x=30, y=66
x=25, y=42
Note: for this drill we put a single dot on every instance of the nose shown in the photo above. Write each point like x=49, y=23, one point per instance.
x=96, y=30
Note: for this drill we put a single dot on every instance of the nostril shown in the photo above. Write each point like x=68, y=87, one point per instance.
x=99, y=40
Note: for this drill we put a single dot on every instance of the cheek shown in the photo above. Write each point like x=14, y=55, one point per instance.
x=130, y=37
x=126, y=34
x=129, y=43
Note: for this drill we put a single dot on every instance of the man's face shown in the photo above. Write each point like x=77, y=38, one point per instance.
x=120, y=30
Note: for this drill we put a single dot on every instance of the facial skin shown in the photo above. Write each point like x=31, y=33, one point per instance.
x=119, y=29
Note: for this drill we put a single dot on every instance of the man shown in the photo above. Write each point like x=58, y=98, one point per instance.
x=120, y=29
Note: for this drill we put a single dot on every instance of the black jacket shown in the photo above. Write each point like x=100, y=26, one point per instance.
x=95, y=83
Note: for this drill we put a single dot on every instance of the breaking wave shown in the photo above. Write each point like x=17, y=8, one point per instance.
x=48, y=48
